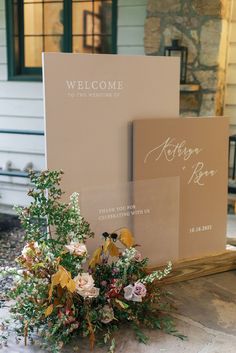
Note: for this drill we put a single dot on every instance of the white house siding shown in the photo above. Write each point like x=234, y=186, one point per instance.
x=230, y=98
x=131, y=17
x=21, y=107
x=21, y=103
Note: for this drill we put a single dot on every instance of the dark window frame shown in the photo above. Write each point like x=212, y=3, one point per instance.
x=16, y=69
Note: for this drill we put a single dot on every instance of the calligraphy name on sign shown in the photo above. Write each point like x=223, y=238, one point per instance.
x=170, y=150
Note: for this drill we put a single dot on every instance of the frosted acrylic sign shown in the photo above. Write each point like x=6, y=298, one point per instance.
x=150, y=209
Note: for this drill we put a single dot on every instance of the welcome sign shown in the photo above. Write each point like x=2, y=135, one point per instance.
x=196, y=149
x=90, y=102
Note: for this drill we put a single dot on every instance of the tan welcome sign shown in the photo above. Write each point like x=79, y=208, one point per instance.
x=196, y=149
x=90, y=102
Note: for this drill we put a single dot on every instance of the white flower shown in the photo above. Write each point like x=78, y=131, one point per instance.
x=128, y=292
x=77, y=248
x=92, y=293
x=85, y=285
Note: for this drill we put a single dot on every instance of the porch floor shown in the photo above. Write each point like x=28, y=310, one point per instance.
x=206, y=315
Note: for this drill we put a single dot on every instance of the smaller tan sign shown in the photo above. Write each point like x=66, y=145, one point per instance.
x=196, y=149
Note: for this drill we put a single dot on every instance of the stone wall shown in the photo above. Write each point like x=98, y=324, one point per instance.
x=202, y=26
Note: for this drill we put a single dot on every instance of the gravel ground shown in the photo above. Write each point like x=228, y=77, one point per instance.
x=11, y=244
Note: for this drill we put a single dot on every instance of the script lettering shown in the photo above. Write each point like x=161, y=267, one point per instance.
x=171, y=149
x=199, y=174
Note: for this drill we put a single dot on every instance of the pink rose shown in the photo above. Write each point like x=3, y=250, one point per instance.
x=85, y=285
x=140, y=289
x=135, y=292
x=92, y=293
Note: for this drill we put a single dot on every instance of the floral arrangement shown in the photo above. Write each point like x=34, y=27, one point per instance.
x=59, y=292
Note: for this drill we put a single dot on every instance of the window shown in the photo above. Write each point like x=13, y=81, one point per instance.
x=79, y=26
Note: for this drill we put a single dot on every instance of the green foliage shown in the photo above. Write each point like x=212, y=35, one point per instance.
x=55, y=296
x=47, y=214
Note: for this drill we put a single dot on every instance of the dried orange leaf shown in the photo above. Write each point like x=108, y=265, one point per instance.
x=113, y=250
x=64, y=279
x=56, y=278
x=50, y=292
x=71, y=286
x=95, y=260
x=56, y=302
x=106, y=245
x=49, y=310
x=126, y=238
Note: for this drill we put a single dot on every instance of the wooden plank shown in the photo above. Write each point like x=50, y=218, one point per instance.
x=130, y=50
x=14, y=195
x=2, y=4
x=234, y=12
x=19, y=161
x=24, y=90
x=130, y=36
x=232, y=53
x=3, y=55
x=230, y=111
x=2, y=37
x=131, y=16
x=3, y=72
x=131, y=2
x=21, y=123
x=231, y=95
x=28, y=144
x=205, y=266
x=2, y=19
x=232, y=34
x=231, y=74
x=21, y=107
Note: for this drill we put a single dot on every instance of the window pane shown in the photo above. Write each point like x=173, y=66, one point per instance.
x=106, y=17
x=53, y=43
x=89, y=17
x=79, y=47
x=15, y=20
x=53, y=18
x=33, y=23
x=78, y=16
x=30, y=1
x=106, y=44
x=101, y=1
x=92, y=41
x=92, y=23
x=33, y=51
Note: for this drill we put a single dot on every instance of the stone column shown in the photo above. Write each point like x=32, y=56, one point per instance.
x=202, y=26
